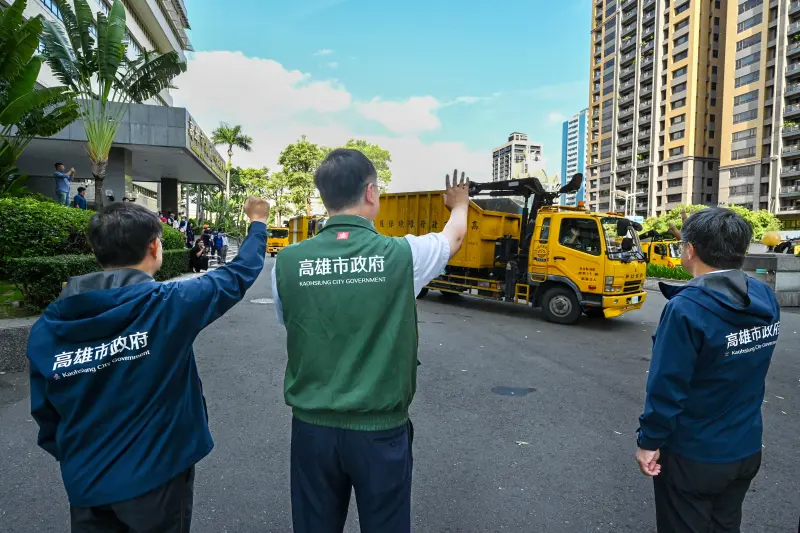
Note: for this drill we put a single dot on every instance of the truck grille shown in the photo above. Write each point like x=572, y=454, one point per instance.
x=632, y=287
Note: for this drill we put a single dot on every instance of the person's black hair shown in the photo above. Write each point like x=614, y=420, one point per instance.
x=343, y=177
x=121, y=233
x=720, y=237
x=58, y=164
x=81, y=189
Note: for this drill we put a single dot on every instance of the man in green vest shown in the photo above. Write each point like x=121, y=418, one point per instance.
x=348, y=300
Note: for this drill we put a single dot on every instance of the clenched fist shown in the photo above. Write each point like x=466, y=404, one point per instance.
x=256, y=209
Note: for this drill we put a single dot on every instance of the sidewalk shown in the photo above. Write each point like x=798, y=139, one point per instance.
x=213, y=263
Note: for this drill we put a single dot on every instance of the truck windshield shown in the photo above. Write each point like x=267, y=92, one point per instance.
x=278, y=233
x=675, y=250
x=614, y=239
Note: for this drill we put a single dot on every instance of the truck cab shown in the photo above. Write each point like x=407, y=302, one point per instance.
x=277, y=239
x=661, y=251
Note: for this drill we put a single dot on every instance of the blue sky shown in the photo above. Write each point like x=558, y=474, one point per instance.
x=450, y=78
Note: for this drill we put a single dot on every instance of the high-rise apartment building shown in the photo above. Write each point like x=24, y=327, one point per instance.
x=760, y=166
x=517, y=158
x=573, y=155
x=655, y=104
x=158, y=148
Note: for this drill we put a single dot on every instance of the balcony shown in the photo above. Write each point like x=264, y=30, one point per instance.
x=642, y=162
x=647, y=47
x=627, y=44
x=641, y=206
x=646, y=90
x=792, y=89
x=794, y=7
x=628, y=31
x=793, y=69
x=792, y=170
x=791, y=150
x=597, y=75
x=648, y=18
x=626, y=166
x=791, y=131
x=791, y=110
x=629, y=15
x=627, y=58
x=642, y=192
x=624, y=154
x=623, y=181
x=793, y=49
x=626, y=3
x=642, y=177
x=627, y=139
x=643, y=149
x=627, y=72
x=790, y=191
x=650, y=30
x=646, y=119
x=626, y=126
x=794, y=28
x=647, y=62
x=629, y=98
x=789, y=209
x=644, y=135
x=627, y=85
x=625, y=113
x=648, y=3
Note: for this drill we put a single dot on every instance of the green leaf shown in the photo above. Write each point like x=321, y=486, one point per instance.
x=153, y=75
x=110, y=47
x=84, y=21
x=59, y=56
x=22, y=84
x=20, y=47
x=27, y=102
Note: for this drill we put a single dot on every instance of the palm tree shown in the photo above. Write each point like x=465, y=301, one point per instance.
x=102, y=74
x=25, y=111
x=233, y=137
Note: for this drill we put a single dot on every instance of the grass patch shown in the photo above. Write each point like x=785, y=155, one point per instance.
x=664, y=272
x=9, y=294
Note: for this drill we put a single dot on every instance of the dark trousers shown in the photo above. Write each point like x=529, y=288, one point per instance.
x=694, y=497
x=166, y=509
x=328, y=462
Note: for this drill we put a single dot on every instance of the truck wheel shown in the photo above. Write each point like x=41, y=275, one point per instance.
x=560, y=306
x=422, y=293
x=594, y=312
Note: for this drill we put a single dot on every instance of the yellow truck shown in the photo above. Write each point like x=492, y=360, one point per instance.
x=565, y=260
x=304, y=227
x=660, y=250
x=277, y=239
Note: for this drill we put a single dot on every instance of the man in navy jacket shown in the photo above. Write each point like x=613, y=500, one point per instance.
x=114, y=384
x=700, y=434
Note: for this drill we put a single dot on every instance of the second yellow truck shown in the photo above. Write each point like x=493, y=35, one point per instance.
x=565, y=260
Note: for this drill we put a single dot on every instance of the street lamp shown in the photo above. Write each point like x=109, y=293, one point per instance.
x=627, y=196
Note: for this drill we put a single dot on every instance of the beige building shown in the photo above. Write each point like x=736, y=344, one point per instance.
x=655, y=104
x=761, y=125
x=518, y=158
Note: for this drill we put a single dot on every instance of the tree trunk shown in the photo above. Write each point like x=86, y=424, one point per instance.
x=228, y=175
x=99, y=173
x=308, y=206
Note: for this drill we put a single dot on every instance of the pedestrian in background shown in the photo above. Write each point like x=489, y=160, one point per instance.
x=113, y=379
x=700, y=436
x=224, y=247
x=63, y=179
x=218, y=243
x=189, y=234
x=80, y=199
x=352, y=347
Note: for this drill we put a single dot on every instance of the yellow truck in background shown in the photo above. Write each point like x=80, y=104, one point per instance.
x=304, y=227
x=661, y=250
x=277, y=239
x=566, y=260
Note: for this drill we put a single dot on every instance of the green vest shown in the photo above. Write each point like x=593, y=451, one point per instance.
x=351, y=322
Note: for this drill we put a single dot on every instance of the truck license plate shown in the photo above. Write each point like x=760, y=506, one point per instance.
x=635, y=300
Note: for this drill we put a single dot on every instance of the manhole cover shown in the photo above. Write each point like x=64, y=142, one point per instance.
x=262, y=301
x=512, y=391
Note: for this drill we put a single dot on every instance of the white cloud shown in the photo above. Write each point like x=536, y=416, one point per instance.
x=323, y=52
x=333, y=65
x=276, y=106
x=555, y=117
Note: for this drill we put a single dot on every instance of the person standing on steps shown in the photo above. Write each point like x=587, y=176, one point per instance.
x=113, y=379
x=80, y=199
x=63, y=179
x=700, y=436
x=348, y=300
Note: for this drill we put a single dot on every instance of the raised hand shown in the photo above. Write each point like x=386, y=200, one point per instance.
x=256, y=209
x=456, y=194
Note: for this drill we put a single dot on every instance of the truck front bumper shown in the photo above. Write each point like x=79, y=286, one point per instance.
x=614, y=306
x=274, y=249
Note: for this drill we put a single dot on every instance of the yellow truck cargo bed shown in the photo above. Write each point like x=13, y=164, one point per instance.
x=418, y=213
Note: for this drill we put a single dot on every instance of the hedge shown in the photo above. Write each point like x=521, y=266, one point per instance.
x=665, y=272
x=32, y=228
x=41, y=278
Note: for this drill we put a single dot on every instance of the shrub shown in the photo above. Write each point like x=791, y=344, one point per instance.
x=173, y=239
x=41, y=278
x=664, y=272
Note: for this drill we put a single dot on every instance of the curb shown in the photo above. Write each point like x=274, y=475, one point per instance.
x=651, y=284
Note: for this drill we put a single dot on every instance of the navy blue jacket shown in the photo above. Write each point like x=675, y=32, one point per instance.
x=114, y=384
x=711, y=354
x=80, y=201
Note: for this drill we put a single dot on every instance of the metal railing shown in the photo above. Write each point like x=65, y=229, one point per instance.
x=626, y=166
x=790, y=190
x=790, y=130
x=790, y=169
x=626, y=125
x=791, y=148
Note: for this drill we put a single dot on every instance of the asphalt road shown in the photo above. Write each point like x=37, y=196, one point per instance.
x=557, y=459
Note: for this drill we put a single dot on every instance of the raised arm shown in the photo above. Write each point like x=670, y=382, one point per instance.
x=456, y=198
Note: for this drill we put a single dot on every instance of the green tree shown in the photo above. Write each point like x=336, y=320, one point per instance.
x=761, y=221
x=380, y=157
x=30, y=111
x=299, y=161
x=101, y=73
x=249, y=182
x=279, y=196
x=233, y=137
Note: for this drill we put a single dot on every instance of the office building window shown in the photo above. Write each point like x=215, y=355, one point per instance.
x=745, y=116
x=713, y=70
x=710, y=167
x=681, y=87
x=748, y=78
x=678, y=135
x=745, y=134
x=710, y=134
x=748, y=5
x=715, y=54
x=682, y=24
x=743, y=172
x=49, y=4
x=717, y=4
x=676, y=151
x=748, y=42
x=710, y=150
x=748, y=60
x=677, y=104
x=680, y=57
x=680, y=119
x=672, y=198
x=749, y=23
x=712, y=118
x=104, y=7
x=713, y=102
x=741, y=189
x=683, y=39
x=752, y=96
x=744, y=153
x=680, y=72
x=676, y=182
x=675, y=167
x=682, y=8
x=713, y=86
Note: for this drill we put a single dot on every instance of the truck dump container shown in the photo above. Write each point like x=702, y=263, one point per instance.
x=304, y=227
x=419, y=213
